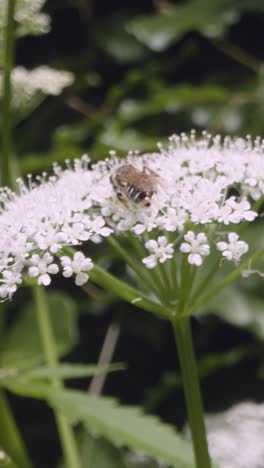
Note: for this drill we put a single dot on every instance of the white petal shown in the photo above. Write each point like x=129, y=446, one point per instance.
x=44, y=279
x=195, y=259
x=221, y=246
x=233, y=237
x=185, y=248
x=65, y=261
x=33, y=271
x=189, y=237
x=150, y=261
x=53, y=269
x=81, y=278
x=151, y=245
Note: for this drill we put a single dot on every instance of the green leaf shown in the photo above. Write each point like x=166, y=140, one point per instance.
x=100, y=453
x=112, y=36
x=172, y=100
x=21, y=346
x=210, y=18
x=63, y=371
x=124, y=425
x=125, y=139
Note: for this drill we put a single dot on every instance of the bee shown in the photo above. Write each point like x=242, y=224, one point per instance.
x=132, y=185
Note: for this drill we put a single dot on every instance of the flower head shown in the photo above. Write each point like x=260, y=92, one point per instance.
x=190, y=205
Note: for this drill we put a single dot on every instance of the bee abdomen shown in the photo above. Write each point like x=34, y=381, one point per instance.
x=135, y=194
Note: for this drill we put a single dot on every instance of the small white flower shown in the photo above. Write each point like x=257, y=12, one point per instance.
x=99, y=229
x=160, y=250
x=10, y=280
x=75, y=233
x=78, y=266
x=173, y=220
x=42, y=267
x=196, y=246
x=241, y=211
x=234, y=249
x=50, y=239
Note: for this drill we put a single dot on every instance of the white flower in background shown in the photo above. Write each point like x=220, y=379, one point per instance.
x=42, y=268
x=240, y=427
x=28, y=16
x=160, y=251
x=196, y=246
x=191, y=204
x=27, y=85
x=79, y=265
x=234, y=249
x=48, y=80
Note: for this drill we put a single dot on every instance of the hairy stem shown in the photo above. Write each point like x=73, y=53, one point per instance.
x=66, y=432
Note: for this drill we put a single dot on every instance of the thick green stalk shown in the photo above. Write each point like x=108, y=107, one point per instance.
x=139, y=269
x=192, y=392
x=132, y=295
x=6, y=111
x=48, y=341
x=10, y=439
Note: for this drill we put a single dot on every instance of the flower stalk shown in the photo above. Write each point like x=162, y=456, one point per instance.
x=192, y=392
x=10, y=439
x=66, y=432
x=6, y=112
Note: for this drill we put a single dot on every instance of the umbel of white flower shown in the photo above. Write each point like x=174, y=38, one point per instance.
x=28, y=16
x=27, y=85
x=204, y=187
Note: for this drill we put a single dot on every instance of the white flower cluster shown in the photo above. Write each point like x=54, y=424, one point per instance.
x=241, y=427
x=27, y=84
x=28, y=16
x=205, y=188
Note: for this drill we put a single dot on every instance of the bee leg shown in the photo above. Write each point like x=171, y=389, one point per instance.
x=122, y=199
x=149, y=171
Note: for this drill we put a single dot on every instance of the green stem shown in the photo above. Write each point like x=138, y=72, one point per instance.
x=6, y=110
x=49, y=346
x=139, y=269
x=239, y=55
x=205, y=282
x=192, y=392
x=128, y=293
x=10, y=439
